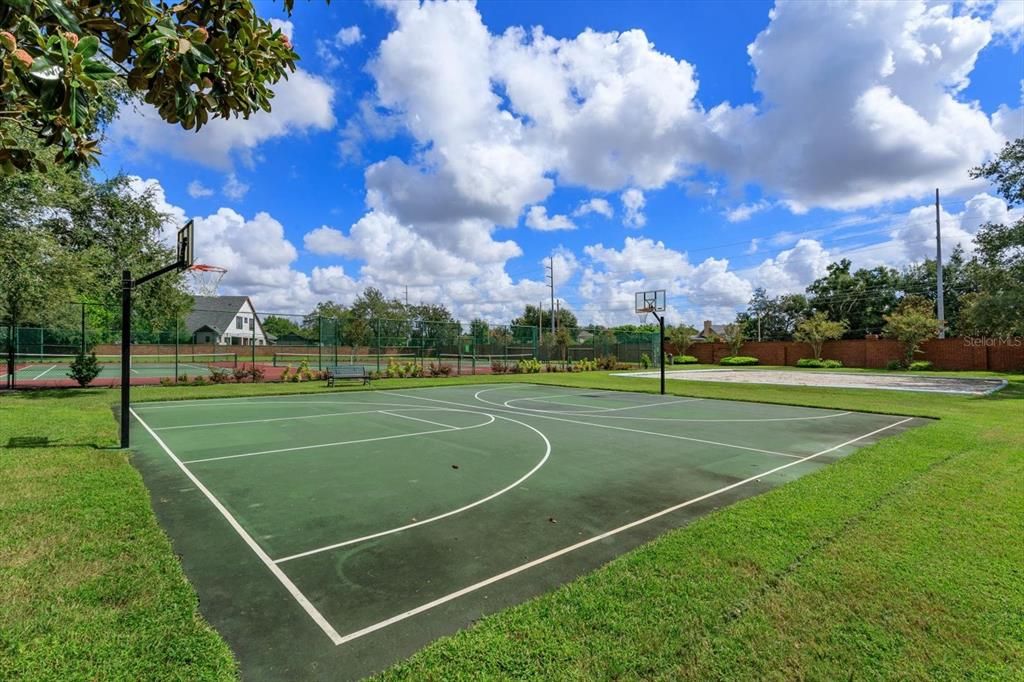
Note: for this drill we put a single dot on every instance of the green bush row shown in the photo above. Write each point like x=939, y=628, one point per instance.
x=738, y=360
x=813, y=362
x=684, y=360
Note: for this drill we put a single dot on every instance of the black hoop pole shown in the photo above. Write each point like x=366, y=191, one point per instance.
x=661, y=347
x=126, y=355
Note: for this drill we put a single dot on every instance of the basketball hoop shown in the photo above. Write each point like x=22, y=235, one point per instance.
x=204, y=279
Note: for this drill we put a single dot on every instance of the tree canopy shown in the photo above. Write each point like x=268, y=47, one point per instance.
x=191, y=60
x=996, y=308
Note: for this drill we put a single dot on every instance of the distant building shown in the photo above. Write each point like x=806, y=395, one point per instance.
x=225, y=320
x=710, y=332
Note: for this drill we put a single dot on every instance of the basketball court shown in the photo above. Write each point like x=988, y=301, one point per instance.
x=331, y=535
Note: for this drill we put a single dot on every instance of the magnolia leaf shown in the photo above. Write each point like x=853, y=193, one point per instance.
x=184, y=45
x=204, y=54
x=64, y=16
x=98, y=71
x=166, y=28
x=88, y=46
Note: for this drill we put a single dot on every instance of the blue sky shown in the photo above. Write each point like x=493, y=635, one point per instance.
x=704, y=148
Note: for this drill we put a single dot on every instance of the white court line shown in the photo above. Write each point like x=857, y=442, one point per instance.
x=594, y=410
x=531, y=472
x=342, y=442
x=597, y=538
x=306, y=605
x=282, y=419
x=710, y=421
x=417, y=419
x=44, y=372
x=545, y=415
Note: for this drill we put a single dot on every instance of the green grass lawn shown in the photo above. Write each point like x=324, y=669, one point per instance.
x=903, y=560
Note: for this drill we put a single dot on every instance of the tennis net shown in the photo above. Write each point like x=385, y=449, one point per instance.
x=328, y=359
x=509, y=358
x=158, y=361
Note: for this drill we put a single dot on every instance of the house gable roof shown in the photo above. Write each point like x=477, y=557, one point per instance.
x=216, y=312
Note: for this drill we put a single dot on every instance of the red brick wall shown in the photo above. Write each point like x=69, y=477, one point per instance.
x=997, y=355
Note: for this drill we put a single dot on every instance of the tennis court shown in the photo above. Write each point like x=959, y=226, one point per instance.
x=329, y=535
x=44, y=367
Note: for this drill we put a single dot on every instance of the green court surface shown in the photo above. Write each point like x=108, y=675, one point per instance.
x=330, y=535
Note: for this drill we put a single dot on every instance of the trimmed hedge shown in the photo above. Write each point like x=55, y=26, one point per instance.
x=684, y=360
x=738, y=360
x=921, y=366
x=814, y=363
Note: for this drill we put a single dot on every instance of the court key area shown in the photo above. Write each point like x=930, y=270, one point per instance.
x=330, y=535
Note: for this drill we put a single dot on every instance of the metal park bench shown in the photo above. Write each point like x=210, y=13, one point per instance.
x=357, y=372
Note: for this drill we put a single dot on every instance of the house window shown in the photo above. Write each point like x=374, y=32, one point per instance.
x=238, y=322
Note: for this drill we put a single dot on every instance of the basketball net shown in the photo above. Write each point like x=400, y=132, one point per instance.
x=204, y=279
x=642, y=314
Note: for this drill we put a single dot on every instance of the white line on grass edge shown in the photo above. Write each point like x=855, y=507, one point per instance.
x=306, y=605
x=597, y=538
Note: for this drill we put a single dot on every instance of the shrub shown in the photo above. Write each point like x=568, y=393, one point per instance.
x=645, y=361
x=84, y=368
x=305, y=374
x=438, y=369
x=738, y=360
x=912, y=323
x=285, y=375
x=832, y=364
x=199, y=380
x=894, y=364
x=498, y=367
x=166, y=381
x=608, y=362
x=583, y=365
x=816, y=330
x=684, y=360
x=183, y=379
x=256, y=374
x=240, y=374
x=219, y=376
x=921, y=366
x=810, y=362
x=529, y=366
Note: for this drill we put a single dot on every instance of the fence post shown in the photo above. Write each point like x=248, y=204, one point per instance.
x=175, y=349
x=319, y=343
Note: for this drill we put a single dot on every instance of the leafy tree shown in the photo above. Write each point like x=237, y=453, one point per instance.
x=1006, y=171
x=328, y=309
x=36, y=271
x=479, y=330
x=997, y=307
x=190, y=60
x=101, y=228
x=282, y=326
x=681, y=337
x=733, y=336
x=959, y=277
x=563, y=318
x=773, y=318
x=912, y=323
x=563, y=339
x=861, y=298
x=816, y=330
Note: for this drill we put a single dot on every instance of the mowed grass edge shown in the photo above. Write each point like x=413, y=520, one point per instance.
x=899, y=561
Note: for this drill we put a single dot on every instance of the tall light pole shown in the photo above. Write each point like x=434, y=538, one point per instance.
x=551, y=283
x=939, y=294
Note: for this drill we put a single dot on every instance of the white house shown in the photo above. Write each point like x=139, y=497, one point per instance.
x=225, y=320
